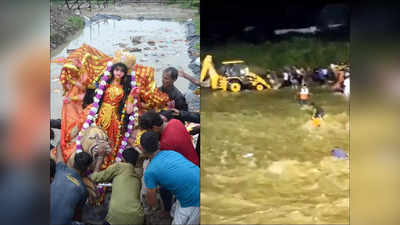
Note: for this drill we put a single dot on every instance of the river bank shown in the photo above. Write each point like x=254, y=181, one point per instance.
x=65, y=23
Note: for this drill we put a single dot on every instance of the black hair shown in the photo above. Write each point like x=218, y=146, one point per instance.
x=173, y=72
x=52, y=168
x=130, y=155
x=51, y=134
x=169, y=114
x=82, y=161
x=126, y=85
x=150, y=141
x=55, y=123
x=150, y=119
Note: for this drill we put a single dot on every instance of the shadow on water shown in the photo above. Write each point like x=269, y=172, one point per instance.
x=264, y=162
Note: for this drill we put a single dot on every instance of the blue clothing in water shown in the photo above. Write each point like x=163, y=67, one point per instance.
x=339, y=153
x=66, y=193
x=174, y=172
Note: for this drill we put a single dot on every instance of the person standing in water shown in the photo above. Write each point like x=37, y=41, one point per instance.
x=303, y=95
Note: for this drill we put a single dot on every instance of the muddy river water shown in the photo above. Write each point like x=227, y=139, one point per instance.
x=263, y=162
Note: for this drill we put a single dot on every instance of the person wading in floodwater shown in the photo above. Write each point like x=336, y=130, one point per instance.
x=303, y=95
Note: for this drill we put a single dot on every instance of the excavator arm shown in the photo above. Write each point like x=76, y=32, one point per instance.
x=208, y=70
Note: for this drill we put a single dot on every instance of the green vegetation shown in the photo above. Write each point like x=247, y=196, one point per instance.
x=76, y=21
x=298, y=51
x=196, y=21
x=192, y=4
x=186, y=4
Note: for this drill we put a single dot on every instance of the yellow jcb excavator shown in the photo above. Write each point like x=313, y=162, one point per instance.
x=236, y=76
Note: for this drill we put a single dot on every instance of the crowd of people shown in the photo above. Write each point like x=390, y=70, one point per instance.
x=121, y=135
x=295, y=77
x=337, y=75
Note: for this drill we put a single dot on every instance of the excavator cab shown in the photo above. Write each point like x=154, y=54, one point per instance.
x=233, y=75
x=234, y=68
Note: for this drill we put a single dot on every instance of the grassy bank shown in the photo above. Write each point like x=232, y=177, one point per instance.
x=63, y=23
x=298, y=51
x=197, y=26
x=76, y=22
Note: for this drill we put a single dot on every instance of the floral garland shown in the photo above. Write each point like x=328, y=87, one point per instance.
x=132, y=117
x=93, y=112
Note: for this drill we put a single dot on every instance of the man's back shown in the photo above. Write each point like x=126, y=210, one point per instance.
x=175, y=137
x=174, y=172
x=125, y=206
x=66, y=193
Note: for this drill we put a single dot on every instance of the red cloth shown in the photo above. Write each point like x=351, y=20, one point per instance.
x=176, y=137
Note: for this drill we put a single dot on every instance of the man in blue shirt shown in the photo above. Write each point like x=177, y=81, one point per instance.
x=67, y=190
x=171, y=170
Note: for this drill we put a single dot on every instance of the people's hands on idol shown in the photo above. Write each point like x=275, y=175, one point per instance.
x=101, y=151
x=175, y=112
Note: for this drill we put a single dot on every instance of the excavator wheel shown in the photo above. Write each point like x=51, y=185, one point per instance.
x=235, y=86
x=259, y=87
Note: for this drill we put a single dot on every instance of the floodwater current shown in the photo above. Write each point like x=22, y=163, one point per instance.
x=263, y=161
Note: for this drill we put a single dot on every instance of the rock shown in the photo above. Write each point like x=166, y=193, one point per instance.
x=134, y=49
x=152, y=43
x=122, y=45
x=98, y=17
x=136, y=39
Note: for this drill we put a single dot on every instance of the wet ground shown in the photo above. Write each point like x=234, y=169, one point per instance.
x=263, y=162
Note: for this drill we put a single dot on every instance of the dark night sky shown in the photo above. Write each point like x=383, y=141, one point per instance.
x=224, y=18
